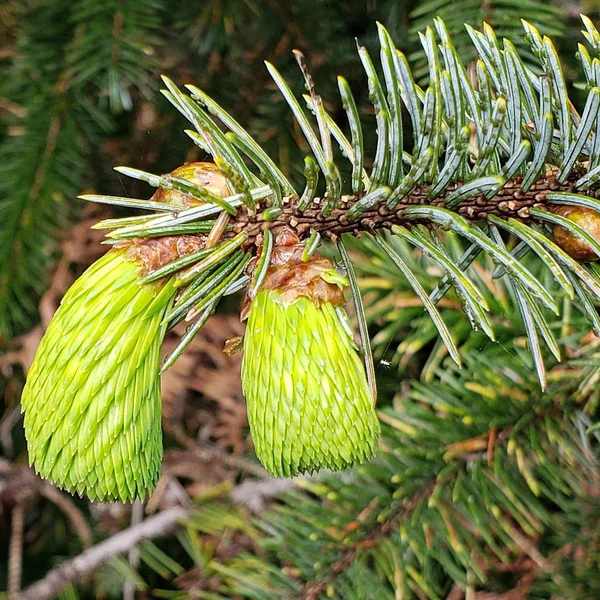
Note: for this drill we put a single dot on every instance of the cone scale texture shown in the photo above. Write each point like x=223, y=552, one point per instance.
x=92, y=399
x=309, y=403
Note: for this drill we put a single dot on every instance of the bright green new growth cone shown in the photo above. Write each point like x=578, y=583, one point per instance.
x=309, y=404
x=92, y=399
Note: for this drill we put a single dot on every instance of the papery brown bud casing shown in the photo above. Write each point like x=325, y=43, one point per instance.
x=204, y=174
x=587, y=219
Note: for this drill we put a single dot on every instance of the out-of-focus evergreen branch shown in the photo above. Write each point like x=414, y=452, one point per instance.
x=66, y=54
x=114, y=50
x=157, y=525
x=213, y=26
x=34, y=191
x=450, y=501
x=41, y=154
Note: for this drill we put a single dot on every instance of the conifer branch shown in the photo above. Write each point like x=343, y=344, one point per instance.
x=450, y=500
x=66, y=54
x=506, y=149
x=313, y=589
x=491, y=441
x=509, y=202
x=157, y=525
x=478, y=198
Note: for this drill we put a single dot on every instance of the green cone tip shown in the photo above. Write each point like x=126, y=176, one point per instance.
x=309, y=403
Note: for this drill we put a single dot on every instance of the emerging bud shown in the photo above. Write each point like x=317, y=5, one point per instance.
x=309, y=403
x=92, y=399
x=575, y=247
x=204, y=174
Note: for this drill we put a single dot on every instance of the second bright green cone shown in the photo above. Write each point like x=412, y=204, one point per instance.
x=309, y=404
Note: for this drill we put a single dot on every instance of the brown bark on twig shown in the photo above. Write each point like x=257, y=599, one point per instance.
x=21, y=482
x=510, y=201
x=15, y=552
x=85, y=563
x=255, y=494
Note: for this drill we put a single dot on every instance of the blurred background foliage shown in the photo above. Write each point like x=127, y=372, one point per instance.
x=485, y=489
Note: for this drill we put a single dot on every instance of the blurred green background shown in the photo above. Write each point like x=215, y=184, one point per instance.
x=79, y=94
